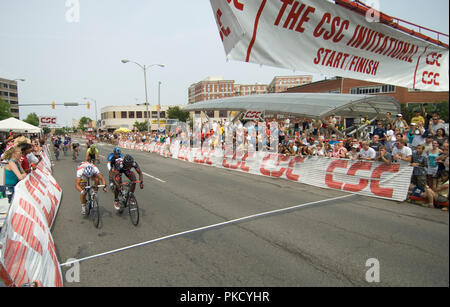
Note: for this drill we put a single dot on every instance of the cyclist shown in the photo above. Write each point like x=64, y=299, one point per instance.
x=92, y=154
x=87, y=171
x=124, y=166
x=116, y=154
x=75, y=149
x=66, y=144
x=56, y=145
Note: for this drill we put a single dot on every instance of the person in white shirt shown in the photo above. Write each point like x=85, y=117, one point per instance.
x=367, y=152
x=401, y=152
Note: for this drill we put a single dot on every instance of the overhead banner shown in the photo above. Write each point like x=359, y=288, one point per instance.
x=319, y=36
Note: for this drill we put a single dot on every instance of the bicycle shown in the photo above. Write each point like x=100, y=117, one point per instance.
x=65, y=148
x=127, y=199
x=92, y=203
x=75, y=154
x=56, y=153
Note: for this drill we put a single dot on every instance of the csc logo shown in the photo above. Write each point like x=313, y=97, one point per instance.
x=433, y=59
x=48, y=120
x=252, y=114
x=430, y=78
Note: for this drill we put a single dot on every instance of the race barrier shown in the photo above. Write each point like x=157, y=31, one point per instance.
x=361, y=177
x=27, y=250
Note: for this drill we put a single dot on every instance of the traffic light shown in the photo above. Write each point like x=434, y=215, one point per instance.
x=88, y=104
x=53, y=104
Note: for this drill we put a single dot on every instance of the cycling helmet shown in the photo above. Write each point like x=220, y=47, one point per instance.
x=128, y=160
x=88, y=171
x=116, y=150
x=92, y=146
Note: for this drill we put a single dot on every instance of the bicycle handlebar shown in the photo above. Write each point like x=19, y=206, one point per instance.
x=94, y=186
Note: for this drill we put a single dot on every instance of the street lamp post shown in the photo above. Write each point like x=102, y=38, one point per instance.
x=144, y=68
x=159, y=105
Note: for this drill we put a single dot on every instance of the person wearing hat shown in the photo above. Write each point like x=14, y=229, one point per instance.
x=13, y=170
x=400, y=124
x=417, y=118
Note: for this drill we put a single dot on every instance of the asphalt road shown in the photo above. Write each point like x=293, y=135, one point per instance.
x=325, y=244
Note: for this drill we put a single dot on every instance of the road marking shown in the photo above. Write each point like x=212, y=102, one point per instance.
x=160, y=180
x=205, y=228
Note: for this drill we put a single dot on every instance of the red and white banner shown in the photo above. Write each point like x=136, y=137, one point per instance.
x=321, y=37
x=366, y=178
x=27, y=251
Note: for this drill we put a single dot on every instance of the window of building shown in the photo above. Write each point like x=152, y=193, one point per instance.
x=223, y=113
x=131, y=114
x=138, y=114
x=154, y=113
x=162, y=114
x=114, y=114
x=377, y=89
x=123, y=114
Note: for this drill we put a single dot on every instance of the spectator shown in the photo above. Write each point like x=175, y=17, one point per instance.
x=333, y=140
x=419, y=136
x=354, y=152
x=440, y=136
x=401, y=124
x=439, y=194
x=388, y=120
x=380, y=131
x=401, y=152
x=384, y=155
x=26, y=149
x=420, y=163
x=375, y=144
x=339, y=150
x=389, y=137
x=367, y=152
x=327, y=149
x=13, y=171
x=417, y=118
x=433, y=165
x=435, y=124
x=428, y=145
x=442, y=160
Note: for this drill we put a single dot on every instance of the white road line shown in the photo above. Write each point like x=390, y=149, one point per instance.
x=204, y=228
x=160, y=180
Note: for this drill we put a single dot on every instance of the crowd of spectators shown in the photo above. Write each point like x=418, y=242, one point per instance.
x=422, y=143
x=20, y=154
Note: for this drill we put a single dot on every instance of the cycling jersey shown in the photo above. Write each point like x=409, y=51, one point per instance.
x=81, y=167
x=91, y=152
x=121, y=169
x=57, y=143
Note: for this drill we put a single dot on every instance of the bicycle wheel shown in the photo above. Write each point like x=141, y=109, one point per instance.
x=95, y=212
x=57, y=154
x=133, y=209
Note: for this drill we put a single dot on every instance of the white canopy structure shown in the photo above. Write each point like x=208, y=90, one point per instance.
x=309, y=105
x=15, y=125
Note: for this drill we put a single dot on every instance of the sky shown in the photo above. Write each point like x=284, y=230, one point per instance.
x=65, y=61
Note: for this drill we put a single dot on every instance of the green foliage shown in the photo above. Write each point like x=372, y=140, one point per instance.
x=84, y=121
x=4, y=110
x=32, y=119
x=46, y=130
x=440, y=107
x=141, y=126
x=177, y=113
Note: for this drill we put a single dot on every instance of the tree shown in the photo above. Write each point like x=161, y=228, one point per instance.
x=84, y=121
x=141, y=126
x=32, y=119
x=4, y=110
x=177, y=113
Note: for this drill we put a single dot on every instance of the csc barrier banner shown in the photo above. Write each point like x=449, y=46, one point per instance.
x=322, y=37
x=366, y=178
x=27, y=252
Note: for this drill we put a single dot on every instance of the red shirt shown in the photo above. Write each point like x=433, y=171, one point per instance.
x=24, y=163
